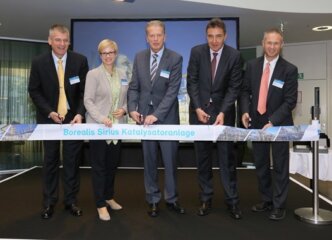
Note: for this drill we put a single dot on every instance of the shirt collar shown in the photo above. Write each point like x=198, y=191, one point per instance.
x=219, y=51
x=160, y=53
x=55, y=58
x=272, y=63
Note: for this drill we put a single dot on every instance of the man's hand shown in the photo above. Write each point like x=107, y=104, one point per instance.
x=269, y=124
x=245, y=120
x=150, y=119
x=136, y=116
x=56, y=117
x=77, y=119
x=202, y=116
x=220, y=119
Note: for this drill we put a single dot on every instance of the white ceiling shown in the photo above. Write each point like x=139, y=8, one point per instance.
x=30, y=19
x=303, y=6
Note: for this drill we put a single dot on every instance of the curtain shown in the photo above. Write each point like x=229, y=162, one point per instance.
x=15, y=104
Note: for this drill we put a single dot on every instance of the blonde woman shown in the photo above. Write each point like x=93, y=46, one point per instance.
x=105, y=99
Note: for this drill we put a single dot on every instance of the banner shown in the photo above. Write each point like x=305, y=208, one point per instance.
x=32, y=132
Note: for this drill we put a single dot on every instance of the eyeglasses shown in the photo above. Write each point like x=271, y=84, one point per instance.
x=104, y=54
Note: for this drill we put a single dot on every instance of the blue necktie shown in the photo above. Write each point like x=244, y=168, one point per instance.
x=154, y=67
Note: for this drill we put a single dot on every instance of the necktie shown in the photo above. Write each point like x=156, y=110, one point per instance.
x=62, y=104
x=261, y=108
x=154, y=66
x=213, y=65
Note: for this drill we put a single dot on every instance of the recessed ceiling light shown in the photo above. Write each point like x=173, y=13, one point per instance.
x=322, y=28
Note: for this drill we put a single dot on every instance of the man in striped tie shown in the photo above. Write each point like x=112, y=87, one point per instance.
x=152, y=99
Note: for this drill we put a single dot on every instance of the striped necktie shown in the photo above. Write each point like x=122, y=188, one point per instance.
x=154, y=66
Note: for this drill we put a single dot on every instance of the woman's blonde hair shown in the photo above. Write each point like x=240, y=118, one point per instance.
x=107, y=43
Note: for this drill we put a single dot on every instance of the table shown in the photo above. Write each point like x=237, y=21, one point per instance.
x=301, y=163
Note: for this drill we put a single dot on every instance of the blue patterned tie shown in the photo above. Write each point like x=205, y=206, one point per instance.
x=154, y=67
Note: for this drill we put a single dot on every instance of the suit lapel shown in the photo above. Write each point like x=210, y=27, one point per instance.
x=67, y=69
x=53, y=69
x=146, y=61
x=207, y=60
x=104, y=80
x=257, y=82
x=221, y=65
x=275, y=73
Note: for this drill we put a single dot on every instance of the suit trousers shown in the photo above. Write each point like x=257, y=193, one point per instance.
x=71, y=156
x=169, y=151
x=104, y=160
x=71, y=152
x=272, y=184
x=227, y=170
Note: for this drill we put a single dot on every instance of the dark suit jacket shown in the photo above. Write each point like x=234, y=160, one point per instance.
x=44, y=85
x=162, y=92
x=280, y=100
x=226, y=85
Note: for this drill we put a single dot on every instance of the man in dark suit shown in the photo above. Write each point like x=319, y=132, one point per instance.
x=268, y=101
x=152, y=99
x=59, y=102
x=213, y=84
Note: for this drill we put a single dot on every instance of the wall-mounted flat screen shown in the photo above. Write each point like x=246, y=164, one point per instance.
x=181, y=36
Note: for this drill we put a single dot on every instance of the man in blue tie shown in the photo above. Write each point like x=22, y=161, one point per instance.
x=152, y=99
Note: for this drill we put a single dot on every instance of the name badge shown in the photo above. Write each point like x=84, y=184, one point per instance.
x=278, y=83
x=74, y=80
x=164, y=74
x=124, y=82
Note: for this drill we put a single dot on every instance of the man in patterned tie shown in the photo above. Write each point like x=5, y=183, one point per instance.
x=266, y=106
x=152, y=99
x=56, y=87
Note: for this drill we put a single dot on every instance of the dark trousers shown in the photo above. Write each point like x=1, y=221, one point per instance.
x=104, y=159
x=169, y=155
x=272, y=184
x=227, y=170
x=71, y=158
x=71, y=153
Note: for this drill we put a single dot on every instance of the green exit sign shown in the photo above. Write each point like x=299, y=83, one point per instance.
x=300, y=76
